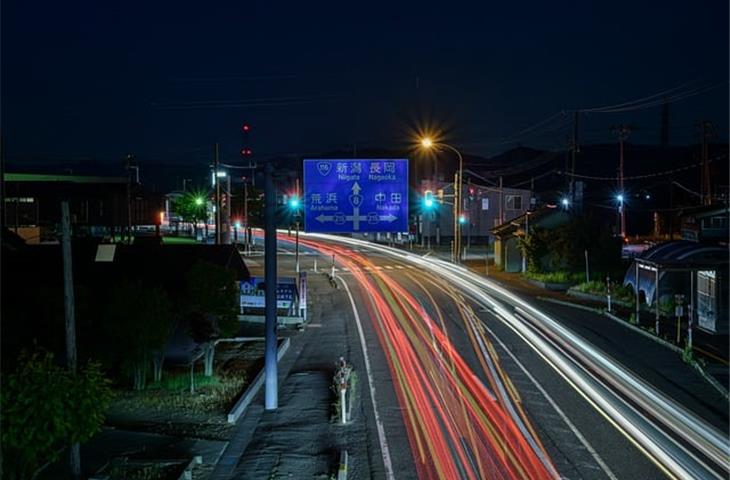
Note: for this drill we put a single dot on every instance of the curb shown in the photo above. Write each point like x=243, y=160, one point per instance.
x=242, y=404
x=344, y=460
x=711, y=380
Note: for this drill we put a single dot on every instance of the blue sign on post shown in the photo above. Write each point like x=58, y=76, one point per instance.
x=356, y=195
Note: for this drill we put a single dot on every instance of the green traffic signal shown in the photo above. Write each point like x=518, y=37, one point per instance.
x=428, y=199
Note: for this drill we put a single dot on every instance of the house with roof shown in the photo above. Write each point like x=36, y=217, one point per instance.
x=507, y=252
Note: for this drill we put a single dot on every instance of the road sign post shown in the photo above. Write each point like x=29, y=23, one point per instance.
x=356, y=195
x=271, y=378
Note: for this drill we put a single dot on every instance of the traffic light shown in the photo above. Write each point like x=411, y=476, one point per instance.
x=294, y=202
x=428, y=199
x=462, y=219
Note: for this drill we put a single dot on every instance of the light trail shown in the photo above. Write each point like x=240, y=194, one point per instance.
x=456, y=427
x=680, y=443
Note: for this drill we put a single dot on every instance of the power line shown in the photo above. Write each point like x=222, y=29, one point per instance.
x=648, y=175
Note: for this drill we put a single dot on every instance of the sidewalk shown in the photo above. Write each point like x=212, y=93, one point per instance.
x=301, y=439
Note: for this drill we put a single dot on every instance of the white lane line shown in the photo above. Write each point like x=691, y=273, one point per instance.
x=400, y=267
x=389, y=267
x=557, y=409
x=381, y=431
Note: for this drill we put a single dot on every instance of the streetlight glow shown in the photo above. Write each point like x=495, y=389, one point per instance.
x=198, y=201
x=565, y=202
x=620, y=198
x=426, y=142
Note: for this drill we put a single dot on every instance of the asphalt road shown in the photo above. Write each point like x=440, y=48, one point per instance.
x=579, y=440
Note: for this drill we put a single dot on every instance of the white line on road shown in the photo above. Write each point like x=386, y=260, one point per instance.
x=559, y=411
x=379, y=425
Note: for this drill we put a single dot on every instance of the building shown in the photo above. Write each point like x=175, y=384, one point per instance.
x=484, y=208
x=100, y=206
x=507, y=252
x=705, y=224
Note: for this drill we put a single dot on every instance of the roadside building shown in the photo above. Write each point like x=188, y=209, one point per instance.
x=484, y=208
x=705, y=224
x=100, y=206
x=507, y=252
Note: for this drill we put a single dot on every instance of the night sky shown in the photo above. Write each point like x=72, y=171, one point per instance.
x=100, y=79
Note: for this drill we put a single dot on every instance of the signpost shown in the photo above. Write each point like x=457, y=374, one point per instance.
x=356, y=195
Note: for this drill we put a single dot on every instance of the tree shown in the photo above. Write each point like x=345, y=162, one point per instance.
x=45, y=409
x=212, y=305
x=139, y=320
x=192, y=208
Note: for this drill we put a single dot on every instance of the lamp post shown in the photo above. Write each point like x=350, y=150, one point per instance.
x=427, y=143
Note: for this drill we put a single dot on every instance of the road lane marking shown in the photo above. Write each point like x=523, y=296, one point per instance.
x=379, y=425
x=557, y=409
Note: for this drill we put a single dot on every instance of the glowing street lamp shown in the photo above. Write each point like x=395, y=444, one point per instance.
x=199, y=201
x=565, y=202
x=427, y=143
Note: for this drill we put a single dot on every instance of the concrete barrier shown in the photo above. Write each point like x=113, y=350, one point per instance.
x=253, y=388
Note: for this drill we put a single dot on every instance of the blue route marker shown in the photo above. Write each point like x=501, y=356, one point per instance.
x=356, y=195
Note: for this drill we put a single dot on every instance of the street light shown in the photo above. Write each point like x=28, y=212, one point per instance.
x=198, y=201
x=565, y=202
x=620, y=199
x=428, y=143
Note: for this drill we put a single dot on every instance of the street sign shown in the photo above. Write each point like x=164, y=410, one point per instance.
x=356, y=195
x=252, y=293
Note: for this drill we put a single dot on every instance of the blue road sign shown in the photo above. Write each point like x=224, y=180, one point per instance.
x=356, y=195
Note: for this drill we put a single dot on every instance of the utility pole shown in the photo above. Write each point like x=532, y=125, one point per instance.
x=270, y=354
x=501, y=202
x=573, y=153
x=623, y=132
x=217, y=198
x=68, y=303
x=130, y=157
x=245, y=214
x=664, y=140
x=706, y=182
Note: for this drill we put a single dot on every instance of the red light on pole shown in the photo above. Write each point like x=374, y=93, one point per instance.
x=246, y=128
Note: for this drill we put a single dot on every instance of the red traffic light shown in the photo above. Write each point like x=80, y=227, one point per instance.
x=246, y=128
x=246, y=152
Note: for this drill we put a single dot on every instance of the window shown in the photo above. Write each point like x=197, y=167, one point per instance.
x=513, y=202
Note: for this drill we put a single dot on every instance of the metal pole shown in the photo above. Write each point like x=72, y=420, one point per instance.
x=636, y=281
x=296, y=243
x=68, y=301
x=217, y=198
x=245, y=215
x=296, y=249
x=656, y=305
x=691, y=316
x=588, y=275
x=455, y=248
x=270, y=360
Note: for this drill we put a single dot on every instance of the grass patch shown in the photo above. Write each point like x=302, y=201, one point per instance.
x=178, y=382
x=179, y=241
x=212, y=394
x=555, y=277
x=618, y=292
